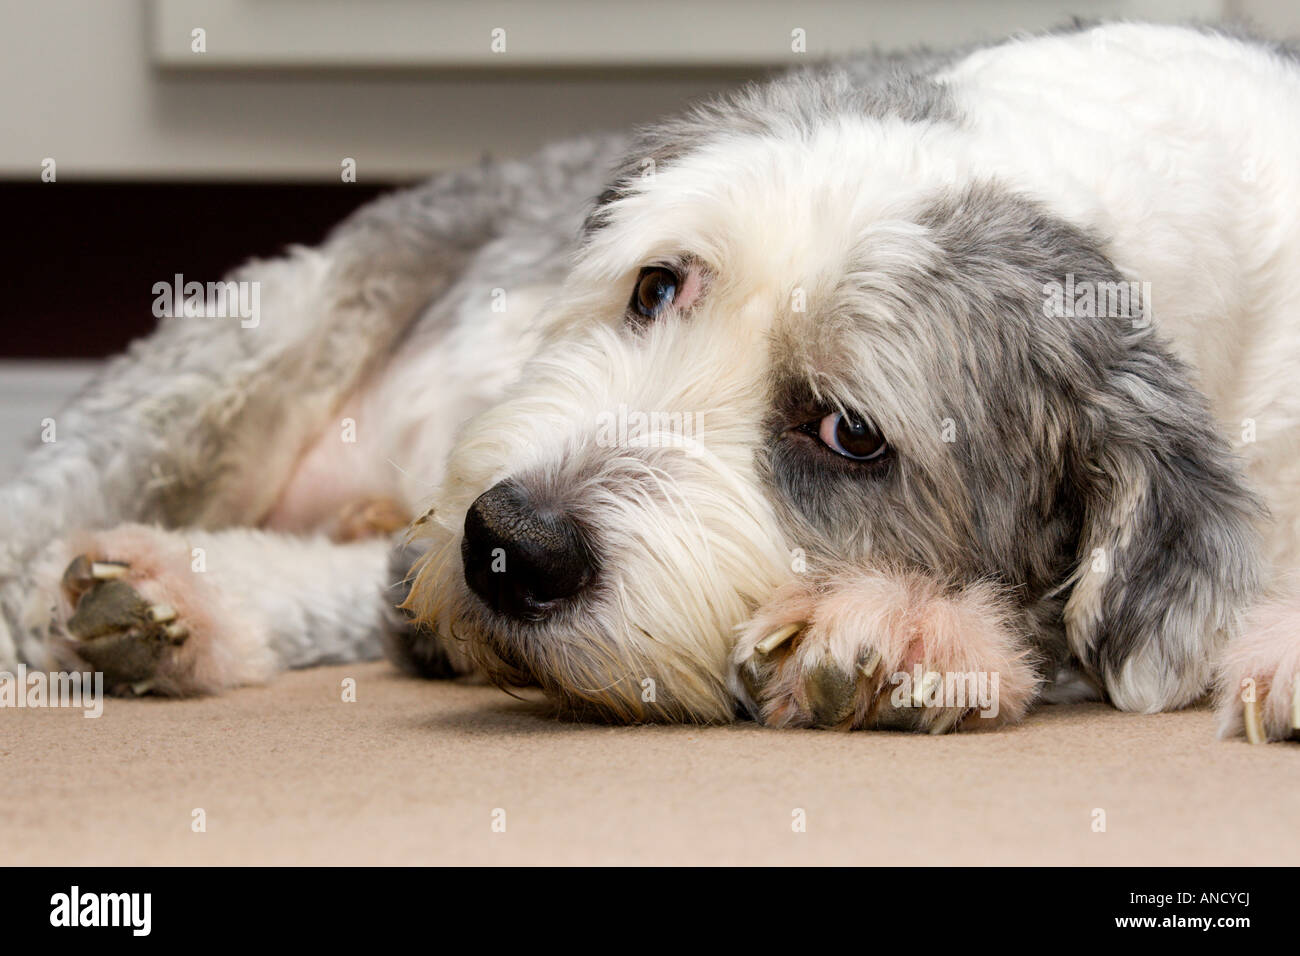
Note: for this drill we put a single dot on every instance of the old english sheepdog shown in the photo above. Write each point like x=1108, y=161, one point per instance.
x=900, y=392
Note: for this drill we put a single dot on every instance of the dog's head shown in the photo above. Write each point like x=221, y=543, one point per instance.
x=800, y=337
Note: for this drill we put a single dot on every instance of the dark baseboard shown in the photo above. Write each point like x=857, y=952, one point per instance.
x=81, y=259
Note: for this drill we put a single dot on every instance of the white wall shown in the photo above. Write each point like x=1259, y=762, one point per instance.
x=29, y=393
x=77, y=84
x=80, y=80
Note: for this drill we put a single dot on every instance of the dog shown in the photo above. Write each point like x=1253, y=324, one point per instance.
x=901, y=392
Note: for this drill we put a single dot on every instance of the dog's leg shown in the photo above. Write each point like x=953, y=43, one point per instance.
x=199, y=424
x=876, y=650
x=1257, y=689
x=202, y=423
x=192, y=612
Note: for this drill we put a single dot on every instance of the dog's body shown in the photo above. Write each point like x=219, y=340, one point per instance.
x=917, y=258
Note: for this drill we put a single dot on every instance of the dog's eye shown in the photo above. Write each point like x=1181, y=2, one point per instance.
x=656, y=288
x=851, y=437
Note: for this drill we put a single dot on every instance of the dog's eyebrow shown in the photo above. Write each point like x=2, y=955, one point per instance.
x=799, y=102
x=598, y=217
x=793, y=399
x=650, y=148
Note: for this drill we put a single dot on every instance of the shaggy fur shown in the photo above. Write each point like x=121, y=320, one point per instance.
x=1070, y=494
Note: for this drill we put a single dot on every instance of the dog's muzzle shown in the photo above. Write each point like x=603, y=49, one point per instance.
x=523, y=561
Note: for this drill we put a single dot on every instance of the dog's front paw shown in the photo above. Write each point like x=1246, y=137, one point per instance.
x=1258, y=687
x=876, y=650
x=132, y=605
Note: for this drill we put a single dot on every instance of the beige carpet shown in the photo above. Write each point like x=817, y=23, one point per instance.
x=412, y=773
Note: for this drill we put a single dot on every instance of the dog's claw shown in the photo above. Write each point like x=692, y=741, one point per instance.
x=78, y=576
x=1253, y=724
x=749, y=679
x=1295, y=713
x=948, y=720
x=83, y=574
x=774, y=640
x=162, y=613
x=108, y=570
x=870, y=661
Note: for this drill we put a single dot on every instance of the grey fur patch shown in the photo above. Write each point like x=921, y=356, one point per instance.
x=875, y=85
x=1060, y=425
x=1252, y=35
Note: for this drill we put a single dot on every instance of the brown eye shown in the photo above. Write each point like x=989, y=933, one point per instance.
x=851, y=437
x=656, y=288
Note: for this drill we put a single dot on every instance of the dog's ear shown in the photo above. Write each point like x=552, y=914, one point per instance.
x=1168, y=554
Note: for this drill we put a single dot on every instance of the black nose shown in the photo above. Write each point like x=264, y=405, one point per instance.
x=522, y=561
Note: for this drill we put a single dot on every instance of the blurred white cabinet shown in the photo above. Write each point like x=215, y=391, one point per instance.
x=286, y=89
x=595, y=33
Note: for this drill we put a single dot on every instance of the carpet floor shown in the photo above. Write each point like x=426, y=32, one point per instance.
x=417, y=773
